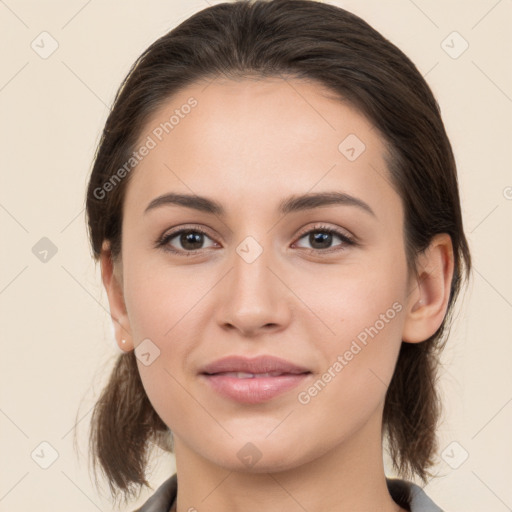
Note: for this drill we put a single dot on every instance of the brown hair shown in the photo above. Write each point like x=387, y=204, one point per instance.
x=319, y=42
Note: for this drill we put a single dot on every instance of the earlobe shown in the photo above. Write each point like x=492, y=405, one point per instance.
x=112, y=281
x=428, y=300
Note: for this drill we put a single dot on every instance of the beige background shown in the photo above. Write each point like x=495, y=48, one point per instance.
x=57, y=345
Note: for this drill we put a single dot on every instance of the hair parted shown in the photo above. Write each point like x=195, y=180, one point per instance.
x=326, y=44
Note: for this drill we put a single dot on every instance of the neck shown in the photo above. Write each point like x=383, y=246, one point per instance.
x=345, y=478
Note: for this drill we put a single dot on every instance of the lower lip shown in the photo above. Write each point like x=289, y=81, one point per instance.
x=256, y=389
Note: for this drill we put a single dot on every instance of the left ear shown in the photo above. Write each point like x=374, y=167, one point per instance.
x=428, y=296
x=111, y=275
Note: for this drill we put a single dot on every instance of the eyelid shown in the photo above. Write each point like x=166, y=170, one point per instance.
x=325, y=227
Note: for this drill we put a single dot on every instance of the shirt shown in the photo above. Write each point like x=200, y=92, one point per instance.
x=408, y=495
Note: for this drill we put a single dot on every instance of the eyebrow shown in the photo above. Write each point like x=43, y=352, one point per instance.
x=291, y=204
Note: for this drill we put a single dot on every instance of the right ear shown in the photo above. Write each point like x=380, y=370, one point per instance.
x=111, y=275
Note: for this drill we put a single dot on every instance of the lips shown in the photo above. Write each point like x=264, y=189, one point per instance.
x=255, y=380
x=274, y=366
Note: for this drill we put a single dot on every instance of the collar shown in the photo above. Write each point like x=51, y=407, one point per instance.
x=407, y=494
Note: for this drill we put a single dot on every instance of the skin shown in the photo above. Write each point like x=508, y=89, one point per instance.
x=249, y=144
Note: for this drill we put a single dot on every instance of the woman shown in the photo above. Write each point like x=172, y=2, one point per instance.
x=275, y=208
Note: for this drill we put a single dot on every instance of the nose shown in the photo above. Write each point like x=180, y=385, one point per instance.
x=253, y=297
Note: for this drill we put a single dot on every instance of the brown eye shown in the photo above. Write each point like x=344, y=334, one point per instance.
x=321, y=239
x=188, y=241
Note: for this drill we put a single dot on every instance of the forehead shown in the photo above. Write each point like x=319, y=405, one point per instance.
x=260, y=138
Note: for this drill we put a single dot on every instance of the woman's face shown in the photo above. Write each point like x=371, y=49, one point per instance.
x=267, y=278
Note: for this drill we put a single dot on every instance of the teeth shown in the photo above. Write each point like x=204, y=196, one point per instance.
x=245, y=375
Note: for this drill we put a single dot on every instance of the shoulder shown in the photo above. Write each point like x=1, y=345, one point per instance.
x=410, y=495
x=162, y=499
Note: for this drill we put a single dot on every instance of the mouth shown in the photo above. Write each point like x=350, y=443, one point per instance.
x=250, y=388
x=253, y=381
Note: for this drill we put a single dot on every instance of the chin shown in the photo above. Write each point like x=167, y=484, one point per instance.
x=273, y=464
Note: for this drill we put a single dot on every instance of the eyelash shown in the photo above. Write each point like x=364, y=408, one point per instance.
x=163, y=241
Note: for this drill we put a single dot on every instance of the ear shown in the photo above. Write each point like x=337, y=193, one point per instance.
x=430, y=291
x=111, y=275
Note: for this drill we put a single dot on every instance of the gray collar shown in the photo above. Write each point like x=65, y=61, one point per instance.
x=406, y=494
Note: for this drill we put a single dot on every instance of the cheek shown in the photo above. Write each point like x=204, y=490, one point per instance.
x=160, y=299
x=358, y=364
x=165, y=307
x=350, y=302
x=363, y=310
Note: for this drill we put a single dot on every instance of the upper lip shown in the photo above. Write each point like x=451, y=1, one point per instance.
x=260, y=364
